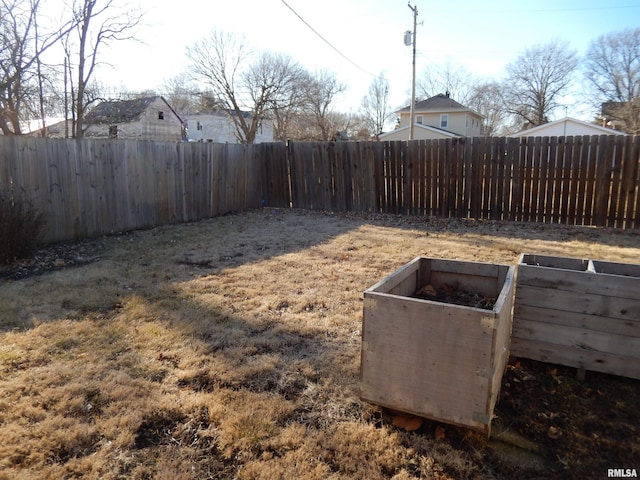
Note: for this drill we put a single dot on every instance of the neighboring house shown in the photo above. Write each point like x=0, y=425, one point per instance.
x=34, y=126
x=148, y=118
x=218, y=127
x=437, y=117
x=55, y=130
x=566, y=127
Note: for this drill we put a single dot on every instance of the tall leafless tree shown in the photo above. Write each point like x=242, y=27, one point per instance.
x=273, y=82
x=375, y=105
x=288, y=110
x=98, y=24
x=458, y=81
x=248, y=86
x=486, y=99
x=182, y=94
x=253, y=87
x=355, y=126
x=537, y=79
x=22, y=72
x=320, y=95
x=612, y=70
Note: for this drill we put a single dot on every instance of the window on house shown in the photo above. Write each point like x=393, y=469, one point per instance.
x=113, y=131
x=198, y=126
x=419, y=119
x=160, y=115
x=444, y=120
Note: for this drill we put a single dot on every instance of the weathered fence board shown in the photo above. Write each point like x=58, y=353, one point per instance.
x=92, y=187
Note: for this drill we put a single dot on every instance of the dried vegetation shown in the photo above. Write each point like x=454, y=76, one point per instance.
x=229, y=348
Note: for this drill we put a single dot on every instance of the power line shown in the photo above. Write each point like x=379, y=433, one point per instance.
x=327, y=41
x=580, y=9
x=543, y=10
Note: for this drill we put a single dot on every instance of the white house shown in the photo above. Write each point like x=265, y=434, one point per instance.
x=217, y=127
x=146, y=118
x=566, y=127
x=437, y=117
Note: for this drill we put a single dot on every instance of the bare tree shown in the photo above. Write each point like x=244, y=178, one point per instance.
x=216, y=61
x=356, y=127
x=273, y=83
x=320, y=95
x=375, y=106
x=98, y=23
x=182, y=94
x=486, y=99
x=22, y=72
x=287, y=112
x=612, y=70
x=537, y=79
x=459, y=82
x=248, y=86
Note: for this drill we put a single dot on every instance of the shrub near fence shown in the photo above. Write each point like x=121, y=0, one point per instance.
x=92, y=187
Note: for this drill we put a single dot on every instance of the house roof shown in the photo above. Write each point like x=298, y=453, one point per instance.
x=221, y=113
x=438, y=103
x=566, y=126
x=429, y=128
x=123, y=111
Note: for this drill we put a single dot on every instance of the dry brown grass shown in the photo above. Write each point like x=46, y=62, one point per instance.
x=229, y=348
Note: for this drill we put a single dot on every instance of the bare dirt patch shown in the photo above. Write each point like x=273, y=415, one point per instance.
x=230, y=348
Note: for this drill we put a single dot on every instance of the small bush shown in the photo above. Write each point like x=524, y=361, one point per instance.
x=21, y=228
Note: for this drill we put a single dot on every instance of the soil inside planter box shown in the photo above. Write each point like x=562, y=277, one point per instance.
x=452, y=293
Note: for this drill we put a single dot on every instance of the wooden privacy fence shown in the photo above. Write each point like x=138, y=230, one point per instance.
x=92, y=187
x=592, y=180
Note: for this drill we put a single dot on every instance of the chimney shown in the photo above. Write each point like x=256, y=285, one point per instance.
x=447, y=93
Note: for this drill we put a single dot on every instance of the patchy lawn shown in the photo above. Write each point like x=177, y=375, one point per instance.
x=230, y=348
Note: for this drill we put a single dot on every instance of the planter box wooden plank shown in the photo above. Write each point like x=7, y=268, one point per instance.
x=613, y=268
x=434, y=359
x=579, y=313
x=615, y=326
x=578, y=337
x=580, y=301
x=572, y=357
x=555, y=278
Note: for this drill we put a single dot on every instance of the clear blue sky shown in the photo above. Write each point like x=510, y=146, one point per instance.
x=481, y=36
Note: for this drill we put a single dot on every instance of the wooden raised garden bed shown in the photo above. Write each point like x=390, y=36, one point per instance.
x=579, y=313
x=432, y=358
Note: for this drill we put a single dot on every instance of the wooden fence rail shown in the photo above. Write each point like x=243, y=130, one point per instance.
x=591, y=180
x=93, y=187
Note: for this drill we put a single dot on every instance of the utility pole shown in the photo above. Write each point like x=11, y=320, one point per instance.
x=413, y=76
x=66, y=100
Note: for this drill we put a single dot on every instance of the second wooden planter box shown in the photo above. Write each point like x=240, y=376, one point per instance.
x=433, y=359
x=579, y=313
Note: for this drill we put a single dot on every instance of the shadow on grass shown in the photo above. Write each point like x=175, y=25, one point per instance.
x=187, y=327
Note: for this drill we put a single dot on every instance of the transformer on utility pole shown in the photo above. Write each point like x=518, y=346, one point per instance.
x=412, y=41
x=408, y=39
